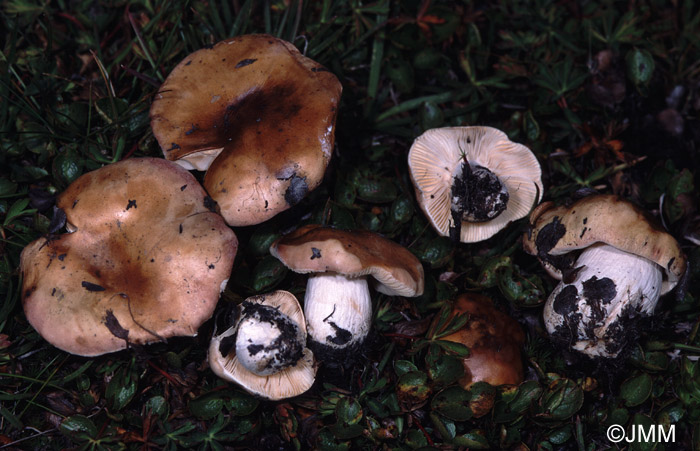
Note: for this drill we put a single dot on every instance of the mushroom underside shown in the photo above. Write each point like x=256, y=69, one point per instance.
x=606, y=294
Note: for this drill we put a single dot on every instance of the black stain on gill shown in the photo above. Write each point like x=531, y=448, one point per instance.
x=315, y=253
x=182, y=188
x=132, y=203
x=227, y=344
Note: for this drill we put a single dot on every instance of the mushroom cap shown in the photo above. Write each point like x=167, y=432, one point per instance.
x=314, y=249
x=146, y=260
x=435, y=158
x=603, y=218
x=258, y=115
x=291, y=381
x=494, y=340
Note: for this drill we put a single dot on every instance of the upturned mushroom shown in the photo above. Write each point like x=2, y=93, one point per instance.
x=471, y=182
x=613, y=262
x=337, y=304
x=494, y=340
x=145, y=259
x=265, y=350
x=257, y=115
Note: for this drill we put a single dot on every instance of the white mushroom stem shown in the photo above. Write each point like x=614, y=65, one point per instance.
x=268, y=341
x=338, y=309
x=611, y=289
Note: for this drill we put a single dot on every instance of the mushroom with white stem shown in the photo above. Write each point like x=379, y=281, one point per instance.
x=471, y=182
x=613, y=263
x=265, y=350
x=337, y=304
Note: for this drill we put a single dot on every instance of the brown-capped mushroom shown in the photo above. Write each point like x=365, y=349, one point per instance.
x=265, y=350
x=257, y=115
x=337, y=304
x=146, y=259
x=613, y=262
x=471, y=182
x=494, y=340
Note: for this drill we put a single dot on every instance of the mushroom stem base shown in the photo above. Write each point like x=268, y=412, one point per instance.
x=338, y=310
x=611, y=289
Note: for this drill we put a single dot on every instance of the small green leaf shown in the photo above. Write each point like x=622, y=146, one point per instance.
x=122, y=388
x=78, y=427
x=453, y=403
x=207, y=406
x=635, y=390
x=404, y=366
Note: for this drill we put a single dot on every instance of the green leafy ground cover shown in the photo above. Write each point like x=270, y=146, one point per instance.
x=607, y=95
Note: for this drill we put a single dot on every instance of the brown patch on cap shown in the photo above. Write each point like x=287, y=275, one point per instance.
x=314, y=249
x=494, y=340
x=257, y=115
x=606, y=219
x=128, y=268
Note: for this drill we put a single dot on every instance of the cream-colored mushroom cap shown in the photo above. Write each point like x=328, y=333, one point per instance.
x=146, y=260
x=317, y=249
x=257, y=115
x=286, y=383
x=557, y=231
x=435, y=162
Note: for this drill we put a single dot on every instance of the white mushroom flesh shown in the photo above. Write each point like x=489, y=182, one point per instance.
x=610, y=290
x=267, y=340
x=338, y=309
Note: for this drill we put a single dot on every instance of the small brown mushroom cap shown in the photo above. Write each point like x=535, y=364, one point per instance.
x=494, y=340
x=556, y=231
x=289, y=382
x=146, y=260
x=435, y=158
x=258, y=115
x=317, y=249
